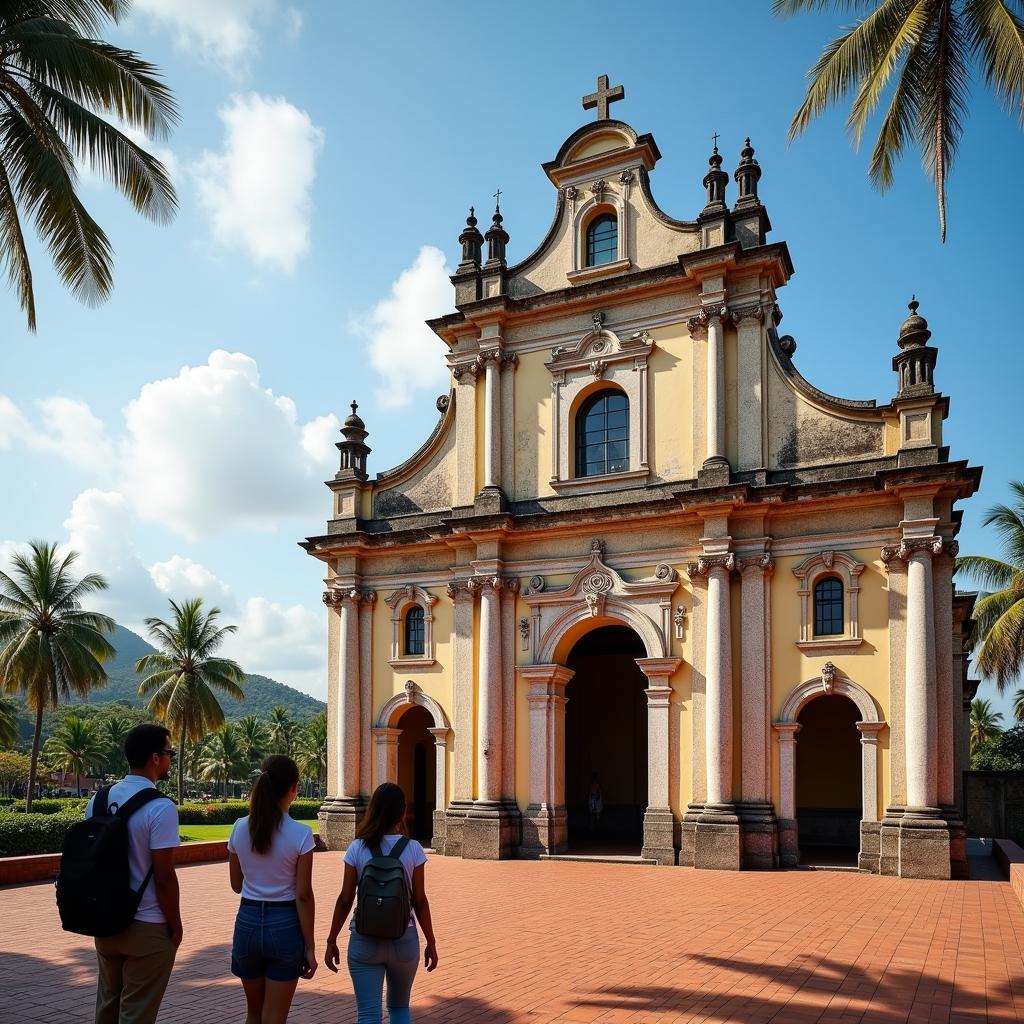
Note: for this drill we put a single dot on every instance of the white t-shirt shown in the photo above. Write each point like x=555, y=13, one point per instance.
x=358, y=856
x=152, y=827
x=271, y=875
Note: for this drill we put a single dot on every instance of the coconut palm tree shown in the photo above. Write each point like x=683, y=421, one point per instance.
x=312, y=749
x=223, y=758
x=254, y=738
x=182, y=675
x=8, y=721
x=113, y=730
x=283, y=730
x=77, y=746
x=920, y=55
x=984, y=722
x=59, y=82
x=50, y=647
x=998, y=635
x=1018, y=705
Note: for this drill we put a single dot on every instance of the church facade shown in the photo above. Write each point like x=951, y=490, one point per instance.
x=645, y=591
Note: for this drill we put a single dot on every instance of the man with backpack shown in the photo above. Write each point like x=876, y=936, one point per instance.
x=94, y=897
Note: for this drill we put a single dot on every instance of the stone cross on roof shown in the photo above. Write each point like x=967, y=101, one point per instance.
x=603, y=97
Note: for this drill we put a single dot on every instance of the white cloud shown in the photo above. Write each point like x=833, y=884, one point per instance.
x=67, y=427
x=257, y=191
x=399, y=339
x=211, y=448
x=182, y=579
x=223, y=32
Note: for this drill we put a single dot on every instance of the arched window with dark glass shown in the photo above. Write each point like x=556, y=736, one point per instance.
x=602, y=434
x=828, y=607
x=602, y=240
x=414, y=630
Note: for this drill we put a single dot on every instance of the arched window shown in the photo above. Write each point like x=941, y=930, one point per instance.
x=828, y=607
x=602, y=434
x=414, y=632
x=602, y=240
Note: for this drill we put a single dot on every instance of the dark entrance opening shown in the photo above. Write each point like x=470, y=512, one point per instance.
x=606, y=733
x=828, y=781
x=416, y=772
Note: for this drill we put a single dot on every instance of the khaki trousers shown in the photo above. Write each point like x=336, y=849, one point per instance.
x=134, y=968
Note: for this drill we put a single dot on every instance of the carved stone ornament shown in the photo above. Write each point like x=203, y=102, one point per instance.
x=524, y=633
x=597, y=544
x=708, y=563
x=664, y=571
x=328, y=596
x=370, y=597
x=442, y=403
x=679, y=620
x=763, y=563
x=571, y=193
x=598, y=320
x=828, y=676
x=410, y=692
x=595, y=602
x=751, y=312
x=933, y=545
x=951, y=548
x=537, y=584
x=509, y=360
x=828, y=557
x=511, y=585
x=597, y=583
x=599, y=188
x=598, y=346
x=640, y=338
x=626, y=177
x=461, y=591
x=598, y=367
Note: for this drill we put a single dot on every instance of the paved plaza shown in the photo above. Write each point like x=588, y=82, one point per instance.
x=539, y=942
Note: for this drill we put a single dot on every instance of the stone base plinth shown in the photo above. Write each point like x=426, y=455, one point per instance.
x=661, y=835
x=869, y=858
x=789, y=843
x=714, y=473
x=489, y=832
x=916, y=842
x=889, y=842
x=440, y=822
x=490, y=502
x=958, y=867
x=338, y=819
x=454, y=825
x=717, y=839
x=544, y=830
x=760, y=832
x=688, y=835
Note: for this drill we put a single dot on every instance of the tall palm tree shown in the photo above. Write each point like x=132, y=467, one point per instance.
x=50, y=647
x=283, y=730
x=224, y=758
x=921, y=55
x=193, y=757
x=182, y=675
x=1018, y=705
x=8, y=721
x=254, y=738
x=114, y=729
x=77, y=746
x=984, y=722
x=312, y=749
x=57, y=80
x=998, y=635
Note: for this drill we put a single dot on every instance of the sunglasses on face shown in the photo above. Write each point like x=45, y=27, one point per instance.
x=172, y=754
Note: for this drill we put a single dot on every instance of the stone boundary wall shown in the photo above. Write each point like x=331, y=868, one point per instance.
x=1010, y=857
x=994, y=805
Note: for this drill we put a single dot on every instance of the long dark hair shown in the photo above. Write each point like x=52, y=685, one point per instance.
x=277, y=775
x=386, y=810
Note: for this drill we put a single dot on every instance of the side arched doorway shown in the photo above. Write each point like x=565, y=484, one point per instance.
x=417, y=772
x=606, y=725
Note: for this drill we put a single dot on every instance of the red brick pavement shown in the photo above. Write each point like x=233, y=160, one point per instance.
x=542, y=942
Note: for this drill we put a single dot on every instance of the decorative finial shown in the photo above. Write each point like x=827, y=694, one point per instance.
x=355, y=405
x=715, y=137
x=913, y=304
x=497, y=201
x=497, y=236
x=603, y=97
x=716, y=179
x=471, y=219
x=471, y=241
x=915, y=362
x=747, y=175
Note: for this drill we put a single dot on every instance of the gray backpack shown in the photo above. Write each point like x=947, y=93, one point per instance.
x=382, y=908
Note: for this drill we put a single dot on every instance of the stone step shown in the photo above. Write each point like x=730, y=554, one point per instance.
x=597, y=858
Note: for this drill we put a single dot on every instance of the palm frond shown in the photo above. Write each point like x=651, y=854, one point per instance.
x=989, y=573
x=997, y=37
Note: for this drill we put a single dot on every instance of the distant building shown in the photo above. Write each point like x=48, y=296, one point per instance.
x=639, y=543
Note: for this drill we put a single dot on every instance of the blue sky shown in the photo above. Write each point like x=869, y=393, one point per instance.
x=325, y=159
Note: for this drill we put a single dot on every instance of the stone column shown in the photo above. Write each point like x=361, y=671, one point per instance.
x=716, y=387
x=509, y=592
x=789, y=844
x=367, y=600
x=488, y=770
x=661, y=830
x=440, y=734
x=507, y=430
x=750, y=392
x=545, y=828
x=386, y=741
x=463, y=595
x=492, y=419
x=870, y=828
x=760, y=829
x=717, y=839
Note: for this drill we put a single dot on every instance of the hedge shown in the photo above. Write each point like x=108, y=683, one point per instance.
x=229, y=812
x=54, y=805
x=22, y=834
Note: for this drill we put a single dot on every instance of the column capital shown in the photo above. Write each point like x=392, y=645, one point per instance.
x=368, y=597
x=869, y=731
x=509, y=361
x=658, y=696
x=755, y=312
x=461, y=592
x=707, y=564
x=763, y=564
x=343, y=595
x=544, y=680
x=440, y=734
x=510, y=587
x=787, y=731
x=658, y=669
x=385, y=735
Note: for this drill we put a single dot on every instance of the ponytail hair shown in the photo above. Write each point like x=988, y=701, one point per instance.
x=278, y=774
x=385, y=811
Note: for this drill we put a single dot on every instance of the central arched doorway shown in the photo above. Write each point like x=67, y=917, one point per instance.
x=606, y=733
x=416, y=771
x=829, y=787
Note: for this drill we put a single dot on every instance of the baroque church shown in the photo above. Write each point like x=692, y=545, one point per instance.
x=640, y=556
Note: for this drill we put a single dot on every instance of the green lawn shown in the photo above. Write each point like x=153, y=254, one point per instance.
x=208, y=833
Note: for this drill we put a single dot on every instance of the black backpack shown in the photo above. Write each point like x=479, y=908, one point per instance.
x=94, y=891
x=382, y=910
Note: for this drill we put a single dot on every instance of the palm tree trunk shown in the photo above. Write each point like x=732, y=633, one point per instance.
x=35, y=759
x=181, y=767
x=78, y=780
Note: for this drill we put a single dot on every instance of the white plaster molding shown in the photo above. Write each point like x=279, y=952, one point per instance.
x=607, y=200
x=841, y=685
x=817, y=566
x=399, y=603
x=396, y=706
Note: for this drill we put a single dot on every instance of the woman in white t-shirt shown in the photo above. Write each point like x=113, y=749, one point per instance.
x=270, y=856
x=371, y=960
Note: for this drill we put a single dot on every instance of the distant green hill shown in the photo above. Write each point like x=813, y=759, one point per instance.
x=262, y=693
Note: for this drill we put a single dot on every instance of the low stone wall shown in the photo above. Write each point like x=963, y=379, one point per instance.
x=994, y=805
x=1010, y=857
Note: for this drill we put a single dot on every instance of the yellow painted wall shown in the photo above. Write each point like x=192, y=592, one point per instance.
x=670, y=390
x=532, y=440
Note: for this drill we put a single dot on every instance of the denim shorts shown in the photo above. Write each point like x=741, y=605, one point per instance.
x=268, y=943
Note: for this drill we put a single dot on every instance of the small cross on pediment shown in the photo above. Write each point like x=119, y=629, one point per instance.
x=603, y=97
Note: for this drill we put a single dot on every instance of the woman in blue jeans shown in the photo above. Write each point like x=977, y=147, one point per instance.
x=370, y=960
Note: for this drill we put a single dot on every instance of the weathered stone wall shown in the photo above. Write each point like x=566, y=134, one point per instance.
x=994, y=804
